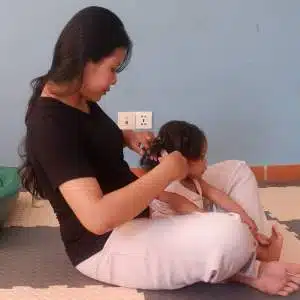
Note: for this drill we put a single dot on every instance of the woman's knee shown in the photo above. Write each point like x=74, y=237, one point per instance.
x=237, y=165
x=225, y=174
x=240, y=170
x=243, y=165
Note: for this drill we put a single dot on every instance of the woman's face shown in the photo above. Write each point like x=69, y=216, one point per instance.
x=100, y=76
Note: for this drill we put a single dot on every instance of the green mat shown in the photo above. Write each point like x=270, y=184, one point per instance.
x=9, y=190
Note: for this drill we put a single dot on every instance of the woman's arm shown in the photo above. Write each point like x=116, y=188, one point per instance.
x=224, y=201
x=101, y=213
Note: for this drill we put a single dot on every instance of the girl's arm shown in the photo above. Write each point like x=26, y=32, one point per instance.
x=224, y=201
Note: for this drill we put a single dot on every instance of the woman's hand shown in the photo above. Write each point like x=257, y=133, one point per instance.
x=176, y=165
x=138, y=141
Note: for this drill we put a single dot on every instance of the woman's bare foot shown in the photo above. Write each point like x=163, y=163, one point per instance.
x=274, y=278
x=271, y=252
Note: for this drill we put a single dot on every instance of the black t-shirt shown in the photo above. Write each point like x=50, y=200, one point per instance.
x=65, y=143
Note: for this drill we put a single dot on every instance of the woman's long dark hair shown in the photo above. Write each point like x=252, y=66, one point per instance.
x=180, y=136
x=92, y=34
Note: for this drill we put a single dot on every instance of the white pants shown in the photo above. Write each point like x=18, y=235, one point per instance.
x=236, y=179
x=173, y=252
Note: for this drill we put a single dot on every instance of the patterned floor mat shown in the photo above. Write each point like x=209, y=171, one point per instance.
x=34, y=264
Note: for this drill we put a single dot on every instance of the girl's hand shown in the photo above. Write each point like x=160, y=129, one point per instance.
x=138, y=141
x=251, y=224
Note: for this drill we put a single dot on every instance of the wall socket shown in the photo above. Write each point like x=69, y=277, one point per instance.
x=143, y=120
x=126, y=120
x=135, y=120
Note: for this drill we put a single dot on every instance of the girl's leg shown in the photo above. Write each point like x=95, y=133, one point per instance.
x=173, y=252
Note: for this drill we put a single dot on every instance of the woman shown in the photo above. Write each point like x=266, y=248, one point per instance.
x=74, y=158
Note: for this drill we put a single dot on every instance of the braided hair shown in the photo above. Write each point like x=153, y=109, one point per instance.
x=180, y=136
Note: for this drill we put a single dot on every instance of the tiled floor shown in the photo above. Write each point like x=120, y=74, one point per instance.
x=34, y=265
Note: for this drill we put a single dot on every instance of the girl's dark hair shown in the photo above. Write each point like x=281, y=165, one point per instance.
x=91, y=34
x=180, y=136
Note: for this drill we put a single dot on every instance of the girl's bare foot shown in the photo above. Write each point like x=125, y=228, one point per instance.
x=274, y=278
x=271, y=252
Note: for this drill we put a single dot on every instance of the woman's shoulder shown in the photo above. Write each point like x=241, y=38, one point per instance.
x=49, y=112
x=51, y=121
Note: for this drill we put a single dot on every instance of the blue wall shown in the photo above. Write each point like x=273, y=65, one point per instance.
x=232, y=67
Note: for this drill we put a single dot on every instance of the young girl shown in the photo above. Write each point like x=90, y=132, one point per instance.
x=197, y=195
